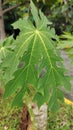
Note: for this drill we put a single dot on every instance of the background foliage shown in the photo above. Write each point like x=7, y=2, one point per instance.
x=59, y=12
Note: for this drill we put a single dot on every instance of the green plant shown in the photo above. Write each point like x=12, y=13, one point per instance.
x=62, y=120
x=32, y=64
x=61, y=15
x=9, y=118
x=66, y=42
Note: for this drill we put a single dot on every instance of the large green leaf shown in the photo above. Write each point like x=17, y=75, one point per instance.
x=42, y=65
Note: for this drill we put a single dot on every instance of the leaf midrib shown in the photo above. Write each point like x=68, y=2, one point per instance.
x=52, y=68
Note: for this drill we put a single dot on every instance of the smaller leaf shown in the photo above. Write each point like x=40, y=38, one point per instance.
x=53, y=98
x=60, y=95
x=18, y=100
x=55, y=107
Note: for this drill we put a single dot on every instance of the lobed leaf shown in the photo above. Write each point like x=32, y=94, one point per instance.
x=42, y=64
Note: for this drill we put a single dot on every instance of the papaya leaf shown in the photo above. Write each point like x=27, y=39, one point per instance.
x=42, y=64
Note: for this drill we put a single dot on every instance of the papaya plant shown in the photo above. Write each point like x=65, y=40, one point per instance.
x=32, y=65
